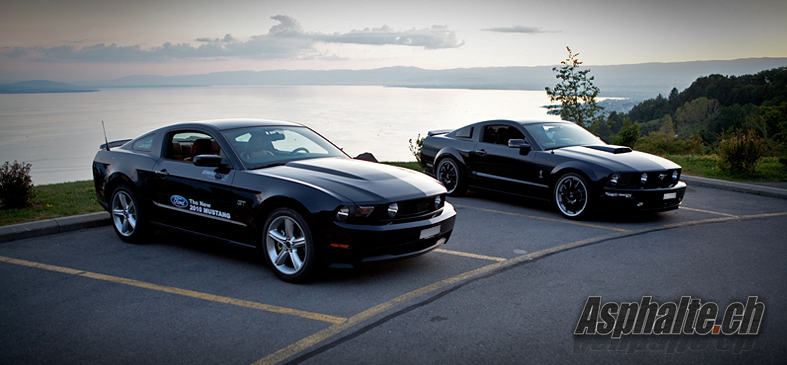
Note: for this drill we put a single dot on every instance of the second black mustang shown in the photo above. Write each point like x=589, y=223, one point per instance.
x=553, y=160
x=276, y=185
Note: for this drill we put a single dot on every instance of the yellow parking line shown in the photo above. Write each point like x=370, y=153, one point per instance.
x=465, y=254
x=304, y=344
x=544, y=218
x=178, y=291
x=708, y=211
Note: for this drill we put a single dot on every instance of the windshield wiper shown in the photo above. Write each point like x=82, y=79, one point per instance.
x=269, y=165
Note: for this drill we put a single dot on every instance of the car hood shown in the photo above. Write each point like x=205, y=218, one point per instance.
x=362, y=182
x=623, y=162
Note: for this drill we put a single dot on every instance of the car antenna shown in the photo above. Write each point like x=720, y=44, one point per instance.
x=106, y=143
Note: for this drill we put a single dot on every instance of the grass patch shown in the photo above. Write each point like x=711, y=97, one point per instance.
x=53, y=201
x=769, y=169
x=413, y=165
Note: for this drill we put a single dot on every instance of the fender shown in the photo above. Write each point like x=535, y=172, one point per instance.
x=594, y=174
x=458, y=155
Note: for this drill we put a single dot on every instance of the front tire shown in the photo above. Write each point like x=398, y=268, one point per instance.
x=449, y=174
x=288, y=246
x=572, y=196
x=127, y=219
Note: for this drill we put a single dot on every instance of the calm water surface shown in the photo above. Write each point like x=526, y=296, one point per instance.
x=60, y=133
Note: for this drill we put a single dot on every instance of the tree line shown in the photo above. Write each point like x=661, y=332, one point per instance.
x=696, y=120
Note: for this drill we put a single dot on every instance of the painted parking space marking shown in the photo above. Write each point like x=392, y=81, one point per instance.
x=177, y=291
x=300, y=347
x=544, y=218
x=465, y=254
x=707, y=211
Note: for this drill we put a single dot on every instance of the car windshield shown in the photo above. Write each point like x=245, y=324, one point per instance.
x=559, y=135
x=260, y=147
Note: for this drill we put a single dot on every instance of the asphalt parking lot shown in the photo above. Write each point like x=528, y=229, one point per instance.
x=509, y=287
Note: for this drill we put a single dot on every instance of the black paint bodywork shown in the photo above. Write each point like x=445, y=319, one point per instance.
x=315, y=187
x=533, y=170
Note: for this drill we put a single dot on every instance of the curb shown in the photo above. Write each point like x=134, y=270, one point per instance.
x=52, y=226
x=736, y=186
x=77, y=222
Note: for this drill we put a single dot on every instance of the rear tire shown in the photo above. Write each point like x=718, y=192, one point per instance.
x=127, y=218
x=449, y=174
x=572, y=196
x=288, y=246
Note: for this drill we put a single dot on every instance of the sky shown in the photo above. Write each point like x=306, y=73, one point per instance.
x=86, y=40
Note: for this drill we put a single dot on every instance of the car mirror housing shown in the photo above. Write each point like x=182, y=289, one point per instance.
x=208, y=161
x=524, y=147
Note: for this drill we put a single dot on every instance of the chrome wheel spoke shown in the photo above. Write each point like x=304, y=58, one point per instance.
x=296, y=260
x=278, y=237
x=281, y=258
x=299, y=243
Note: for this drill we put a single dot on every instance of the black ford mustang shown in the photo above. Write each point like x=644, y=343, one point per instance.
x=553, y=160
x=275, y=185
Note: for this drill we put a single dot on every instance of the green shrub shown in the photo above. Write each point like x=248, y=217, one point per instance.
x=741, y=152
x=659, y=143
x=628, y=135
x=16, y=186
x=415, y=149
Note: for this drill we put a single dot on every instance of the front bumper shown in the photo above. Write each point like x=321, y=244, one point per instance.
x=377, y=243
x=646, y=200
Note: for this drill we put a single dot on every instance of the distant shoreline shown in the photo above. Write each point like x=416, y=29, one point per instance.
x=47, y=91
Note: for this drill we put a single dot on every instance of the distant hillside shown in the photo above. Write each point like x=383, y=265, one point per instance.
x=41, y=86
x=636, y=81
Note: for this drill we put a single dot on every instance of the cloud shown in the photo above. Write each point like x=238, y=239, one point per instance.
x=436, y=37
x=286, y=40
x=227, y=39
x=517, y=29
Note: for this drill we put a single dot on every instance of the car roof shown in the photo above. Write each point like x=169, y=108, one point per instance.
x=526, y=121
x=232, y=123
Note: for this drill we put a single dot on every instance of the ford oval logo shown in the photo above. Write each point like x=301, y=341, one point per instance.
x=179, y=201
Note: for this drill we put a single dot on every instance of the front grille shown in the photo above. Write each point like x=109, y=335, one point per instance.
x=656, y=180
x=411, y=209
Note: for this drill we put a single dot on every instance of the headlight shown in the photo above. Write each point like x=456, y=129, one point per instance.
x=438, y=201
x=354, y=211
x=613, y=179
x=393, y=208
x=675, y=175
x=343, y=213
x=644, y=178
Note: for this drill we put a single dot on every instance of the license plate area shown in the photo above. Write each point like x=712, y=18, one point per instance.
x=668, y=196
x=430, y=232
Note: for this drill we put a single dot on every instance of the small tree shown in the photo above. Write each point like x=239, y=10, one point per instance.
x=16, y=186
x=628, y=135
x=415, y=149
x=575, y=92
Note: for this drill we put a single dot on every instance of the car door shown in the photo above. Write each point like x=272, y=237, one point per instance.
x=500, y=167
x=193, y=197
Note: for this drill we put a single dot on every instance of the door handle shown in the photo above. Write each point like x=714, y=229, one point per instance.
x=481, y=152
x=162, y=172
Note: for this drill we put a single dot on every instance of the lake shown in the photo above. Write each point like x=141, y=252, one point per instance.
x=60, y=133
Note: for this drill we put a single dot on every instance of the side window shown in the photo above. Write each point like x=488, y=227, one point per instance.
x=500, y=134
x=185, y=145
x=144, y=143
x=466, y=132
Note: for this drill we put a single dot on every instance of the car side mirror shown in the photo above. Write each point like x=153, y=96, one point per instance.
x=524, y=147
x=208, y=161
